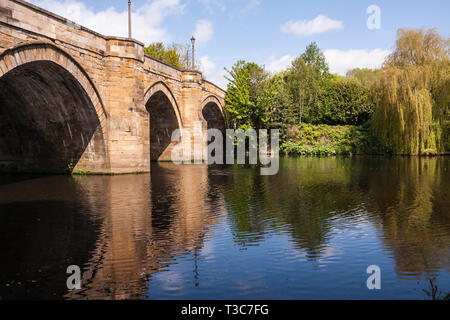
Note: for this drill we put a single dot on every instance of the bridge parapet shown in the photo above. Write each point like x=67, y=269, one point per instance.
x=124, y=48
x=32, y=22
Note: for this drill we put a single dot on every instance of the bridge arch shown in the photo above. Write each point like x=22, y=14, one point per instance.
x=213, y=113
x=51, y=115
x=165, y=117
x=47, y=51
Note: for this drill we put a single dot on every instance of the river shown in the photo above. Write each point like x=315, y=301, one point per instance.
x=198, y=232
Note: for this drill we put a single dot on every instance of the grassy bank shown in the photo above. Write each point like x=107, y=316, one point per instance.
x=325, y=140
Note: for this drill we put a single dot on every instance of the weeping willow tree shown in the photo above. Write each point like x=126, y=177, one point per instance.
x=412, y=95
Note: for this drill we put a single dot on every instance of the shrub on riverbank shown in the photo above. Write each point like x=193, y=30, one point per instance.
x=325, y=140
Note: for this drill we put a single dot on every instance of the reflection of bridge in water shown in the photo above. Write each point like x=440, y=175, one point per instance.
x=72, y=97
x=145, y=230
x=120, y=230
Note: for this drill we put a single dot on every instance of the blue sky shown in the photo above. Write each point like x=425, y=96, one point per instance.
x=268, y=32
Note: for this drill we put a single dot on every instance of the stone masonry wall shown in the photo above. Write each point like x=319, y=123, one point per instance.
x=119, y=78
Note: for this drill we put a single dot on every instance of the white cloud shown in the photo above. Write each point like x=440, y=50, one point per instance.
x=210, y=4
x=319, y=24
x=218, y=78
x=275, y=65
x=251, y=4
x=222, y=5
x=206, y=65
x=211, y=73
x=203, y=31
x=147, y=19
x=341, y=61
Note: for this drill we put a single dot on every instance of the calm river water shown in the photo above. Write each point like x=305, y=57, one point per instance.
x=198, y=232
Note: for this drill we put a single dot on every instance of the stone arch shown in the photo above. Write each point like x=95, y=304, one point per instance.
x=52, y=116
x=165, y=118
x=47, y=51
x=213, y=113
x=160, y=86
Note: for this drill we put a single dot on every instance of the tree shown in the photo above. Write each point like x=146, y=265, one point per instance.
x=246, y=102
x=259, y=89
x=413, y=94
x=170, y=54
x=315, y=58
x=418, y=47
x=365, y=76
x=304, y=88
x=281, y=114
x=347, y=102
x=307, y=79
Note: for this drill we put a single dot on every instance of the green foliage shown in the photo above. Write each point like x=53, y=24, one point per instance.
x=304, y=89
x=76, y=172
x=404, y=105
x=413, y=95
x=324, y=140
x=346, y=102
x=364, y=76
x=168, y=54
x=81, y=172
x=419, y=47
x=281, y=116
x=70, y=168
x=312, y=95
x=305, y=92
x=315, y=58
x=248, y=95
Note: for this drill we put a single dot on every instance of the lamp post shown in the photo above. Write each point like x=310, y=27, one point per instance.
x=129, y=19
x=193, y=52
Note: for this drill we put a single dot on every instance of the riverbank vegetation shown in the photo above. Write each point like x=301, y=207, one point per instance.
x=325, y=140
x=402, y=108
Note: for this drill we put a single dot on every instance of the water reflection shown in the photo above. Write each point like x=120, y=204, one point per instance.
x=407, y=199
x=150, y=222
x=227, y=232
x=44, y=229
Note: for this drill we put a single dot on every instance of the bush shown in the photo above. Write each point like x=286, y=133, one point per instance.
x=324, y=140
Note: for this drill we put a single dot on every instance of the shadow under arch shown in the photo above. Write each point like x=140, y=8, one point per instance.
x=213, y=113
x=165, y=118
x=214, y=117
x=50, y=112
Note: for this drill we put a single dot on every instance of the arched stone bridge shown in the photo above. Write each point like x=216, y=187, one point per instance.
x=73, y=98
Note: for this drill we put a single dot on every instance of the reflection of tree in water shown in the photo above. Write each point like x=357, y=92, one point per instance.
x=304, y=195
x=247, y=205
x=406, y=198
x=413, y=212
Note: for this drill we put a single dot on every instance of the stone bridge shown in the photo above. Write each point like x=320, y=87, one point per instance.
x=73, y=98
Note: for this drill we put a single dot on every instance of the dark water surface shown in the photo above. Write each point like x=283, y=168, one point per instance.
x=197, y=232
